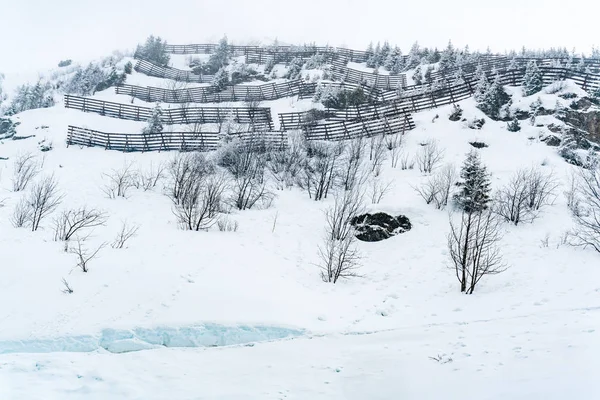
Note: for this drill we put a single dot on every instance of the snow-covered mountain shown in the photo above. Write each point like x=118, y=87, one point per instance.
x=240, y=310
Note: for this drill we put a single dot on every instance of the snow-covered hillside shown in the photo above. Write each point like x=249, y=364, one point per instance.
x=244, y=313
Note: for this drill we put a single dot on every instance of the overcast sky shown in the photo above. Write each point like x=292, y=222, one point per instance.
x=36, y=34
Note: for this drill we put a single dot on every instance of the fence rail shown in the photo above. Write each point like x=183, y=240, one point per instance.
x=367, y=112
x=268, y=91
x=164, y=141
x=341, y=130
x=382, y=82
x=150, y=69
x=259, y=117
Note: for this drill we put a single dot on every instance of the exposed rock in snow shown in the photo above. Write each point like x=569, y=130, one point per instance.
x=379, y=226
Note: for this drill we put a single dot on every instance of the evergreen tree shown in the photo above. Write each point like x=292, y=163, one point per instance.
x=513, y=64
x=417, y=76
x=392, y=59
x=427, y=75
x=153, y=50
x=475, y=187
x=481, y=88
x=459, y=77
x=385, y=52
x=154, y=123
x=447, y=59
x=493, y=99
x=295, y=69
x=370, y=51
x=532, y=83
x=221, y=79
x=414, y=57
x=514, y=125
x=580, y=65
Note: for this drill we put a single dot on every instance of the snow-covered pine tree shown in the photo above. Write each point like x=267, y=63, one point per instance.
x=414, y=57
x=512, y=65
x=481, y=87
x=475, y=187
x=385, y=52
x=153, y=50
x=392, y=58
x=514, y=125
x=493, y=99
x=370, y=51
x=459, y=77
x=532, y=82
x=221, y=79
x=154, y=123
x=295, y=68
x=417, y=75
x=447, y=59
x=398, y=65
x=427, y=74
x=580, y=65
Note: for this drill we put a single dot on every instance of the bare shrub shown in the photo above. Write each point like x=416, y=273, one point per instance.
x=525, y=194
x=119, y=182
x=148, y=179
x=437, y=189
x=226, y=224
x=339, y=257
x=84, y=255
x=587, y=212
x=406, y=162
x=429, y=156
x=72, y=221
x=68, y=289
x=394, y=145
x=378, y=189
x=377, y=154
x=473, y=248
x=571, y=192
x=25, y=168
x=182, y=171
x=21, y=214
x=247, y=163
x=352, y=173
x=321, y=168
x=285, y=165
x=126, y=232
x=200, y=201
x=42, y=200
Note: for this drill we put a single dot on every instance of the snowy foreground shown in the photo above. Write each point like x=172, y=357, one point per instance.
x=244, y=315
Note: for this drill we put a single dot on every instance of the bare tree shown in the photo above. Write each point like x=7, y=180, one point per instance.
x=43, y=199
x=445, y=179
x=525, y=194
x=119, y=182
x=406, y=162
x=182, y=171
x=379, y=189
x=352, y=173
x=429, y=156
x=246, y=163
x=473, y=248
x=437, y=189
x=339, y=257
x=394, y=145
x=72, y=221
x=377, y=153
x=25, y=168
x=284, y=165
x=571, y=192
x=126, y=232
x=21, y=214
x=321, y=168
x=587, y=213
x=200, y=201
x=84, y=255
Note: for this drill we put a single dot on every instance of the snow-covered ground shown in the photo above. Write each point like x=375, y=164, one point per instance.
x=252, y=302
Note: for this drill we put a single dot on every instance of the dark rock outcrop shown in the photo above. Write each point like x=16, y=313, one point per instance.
x=379, y=226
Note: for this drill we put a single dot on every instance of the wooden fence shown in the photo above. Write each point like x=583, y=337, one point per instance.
x=207, y=48
x=150, y=69
x=268, y=91
x=382, y=82
x=367, y=112
x=260, y=117
x=340, y=130
x=165, y=141
x=310, y=89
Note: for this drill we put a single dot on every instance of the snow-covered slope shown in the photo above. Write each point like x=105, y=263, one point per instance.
x=530, y=332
